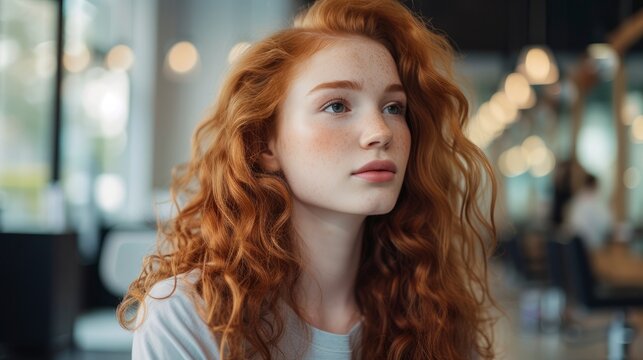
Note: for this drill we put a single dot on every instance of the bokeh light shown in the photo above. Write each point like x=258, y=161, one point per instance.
x=637, y=129
x=537, y=64
x=513, y=162
x=77, y=57
x=182, y=57
x=237, y=50
x=501, y=103
x=120, y=57
x=109, y=192
x=519, y=91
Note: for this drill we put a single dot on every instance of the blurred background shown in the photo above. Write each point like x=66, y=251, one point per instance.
x=99, y=98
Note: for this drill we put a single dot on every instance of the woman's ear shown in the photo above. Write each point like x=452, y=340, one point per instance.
x=268, y=158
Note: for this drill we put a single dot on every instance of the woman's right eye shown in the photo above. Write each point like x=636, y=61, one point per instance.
x=335, y=107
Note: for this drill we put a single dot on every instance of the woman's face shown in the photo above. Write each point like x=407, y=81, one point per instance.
x=342, y=140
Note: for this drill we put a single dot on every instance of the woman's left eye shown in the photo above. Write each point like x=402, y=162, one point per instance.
x=335, y=108
x=394, y=109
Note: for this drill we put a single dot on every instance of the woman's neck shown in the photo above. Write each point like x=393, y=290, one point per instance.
x=331, y=247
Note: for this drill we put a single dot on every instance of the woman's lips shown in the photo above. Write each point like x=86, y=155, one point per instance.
x=376, y=175
x=377, y=171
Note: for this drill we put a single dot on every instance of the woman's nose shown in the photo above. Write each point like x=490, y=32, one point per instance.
x=376, y=132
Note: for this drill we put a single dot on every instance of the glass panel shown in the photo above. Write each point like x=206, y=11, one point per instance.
x=27, y=83
x=633, y=116
x=96, y=111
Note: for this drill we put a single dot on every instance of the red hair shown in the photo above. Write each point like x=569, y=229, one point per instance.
x=421, y=284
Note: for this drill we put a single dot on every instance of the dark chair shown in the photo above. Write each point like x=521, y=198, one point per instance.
x=530, y=269
x=595, y=295
x=41, y=283
x=558, y=291
x=556, y=271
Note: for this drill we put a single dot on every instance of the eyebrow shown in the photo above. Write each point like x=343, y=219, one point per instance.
x=352, y=85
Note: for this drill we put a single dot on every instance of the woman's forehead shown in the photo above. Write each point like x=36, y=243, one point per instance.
x=347, y=58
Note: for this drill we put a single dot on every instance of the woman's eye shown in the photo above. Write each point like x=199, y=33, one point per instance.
x=335, y=108
x=394, y=109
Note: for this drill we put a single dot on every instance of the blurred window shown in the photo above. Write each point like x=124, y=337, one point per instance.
x=27, y=83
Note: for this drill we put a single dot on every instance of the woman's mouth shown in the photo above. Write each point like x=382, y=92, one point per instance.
x=377, y=171
x=376, y=175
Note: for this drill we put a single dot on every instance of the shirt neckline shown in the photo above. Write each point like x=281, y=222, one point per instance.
x=321, y=339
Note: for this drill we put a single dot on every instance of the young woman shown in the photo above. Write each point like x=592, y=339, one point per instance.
x=329, y=210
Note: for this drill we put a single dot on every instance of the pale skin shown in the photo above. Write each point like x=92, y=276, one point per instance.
x=345, y=107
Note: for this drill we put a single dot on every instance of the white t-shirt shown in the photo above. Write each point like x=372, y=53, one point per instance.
x=173, y=329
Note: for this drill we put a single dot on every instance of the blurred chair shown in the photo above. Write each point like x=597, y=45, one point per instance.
x=595, y=295
x=529, y=265
x=556, y=269
x=554, y=307
x=120, y=263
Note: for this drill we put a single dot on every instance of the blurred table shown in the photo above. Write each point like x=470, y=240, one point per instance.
x=617, y=264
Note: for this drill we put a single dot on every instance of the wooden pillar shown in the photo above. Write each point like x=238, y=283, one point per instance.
x=585, y=78
x=577, y=112
x=619, y=201
x=626, y=35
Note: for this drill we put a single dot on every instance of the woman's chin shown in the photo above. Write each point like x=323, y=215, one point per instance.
x=379, y=209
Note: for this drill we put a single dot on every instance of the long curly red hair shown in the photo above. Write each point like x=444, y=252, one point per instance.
x=421, y=285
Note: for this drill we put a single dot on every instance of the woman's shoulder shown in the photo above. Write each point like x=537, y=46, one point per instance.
x=172, y=296
x=169, y=324
x=174, y=289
